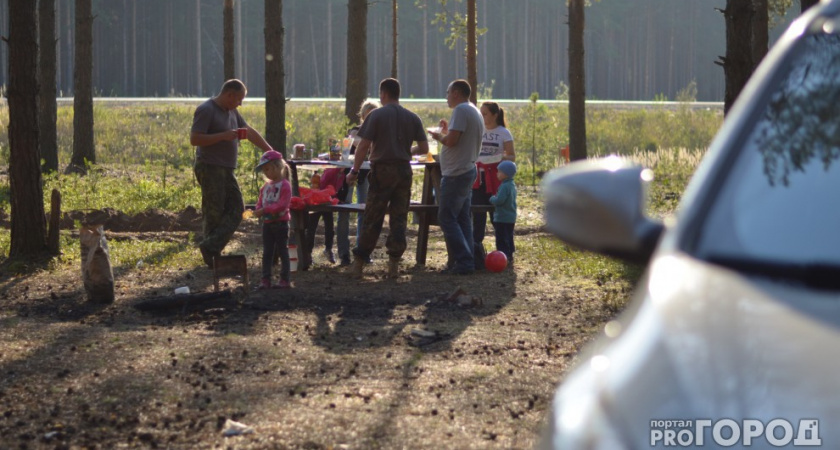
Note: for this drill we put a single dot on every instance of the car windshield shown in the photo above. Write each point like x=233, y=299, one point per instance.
x=779, y=204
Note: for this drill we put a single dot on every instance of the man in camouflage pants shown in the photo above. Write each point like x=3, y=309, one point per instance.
x=214, y=133
x=388, y=133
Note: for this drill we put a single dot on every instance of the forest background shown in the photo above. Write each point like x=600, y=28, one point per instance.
x=333, y=363
x=637, y=50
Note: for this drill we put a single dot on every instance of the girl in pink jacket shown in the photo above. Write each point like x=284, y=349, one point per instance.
x=273, y=208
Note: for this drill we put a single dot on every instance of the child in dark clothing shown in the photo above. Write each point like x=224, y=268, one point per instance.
x=332, y=177
x=504, y=216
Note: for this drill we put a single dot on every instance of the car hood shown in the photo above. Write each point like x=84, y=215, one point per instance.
x=704, y=342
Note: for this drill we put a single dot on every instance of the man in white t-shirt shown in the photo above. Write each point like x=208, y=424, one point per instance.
x=461, y=143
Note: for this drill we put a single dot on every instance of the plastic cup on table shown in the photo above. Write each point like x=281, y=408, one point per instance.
x=300, y=150
x=433, y=150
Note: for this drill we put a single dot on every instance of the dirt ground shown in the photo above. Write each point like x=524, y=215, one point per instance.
x=334, y=363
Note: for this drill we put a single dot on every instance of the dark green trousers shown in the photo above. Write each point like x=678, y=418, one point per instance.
x=389, y=192
x=221, y=205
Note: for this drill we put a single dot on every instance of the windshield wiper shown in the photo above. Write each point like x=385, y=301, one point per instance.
x=821, y=276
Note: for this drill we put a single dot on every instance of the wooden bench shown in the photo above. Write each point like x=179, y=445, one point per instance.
x=427, y=213
x=426, y=209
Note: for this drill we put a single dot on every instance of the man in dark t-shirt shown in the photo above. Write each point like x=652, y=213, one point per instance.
x=216, y=132
x=391, y=130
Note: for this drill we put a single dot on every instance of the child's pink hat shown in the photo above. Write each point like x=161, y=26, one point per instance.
x=270, y=155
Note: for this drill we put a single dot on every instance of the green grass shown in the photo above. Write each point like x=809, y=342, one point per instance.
x=672, y=171
x=600, y=269
x=145, y=161
x=127, y=189
x=158, y=134
x=125, y=254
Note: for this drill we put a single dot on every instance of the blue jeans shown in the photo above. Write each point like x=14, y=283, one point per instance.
x=343, y=226
x=455, y=218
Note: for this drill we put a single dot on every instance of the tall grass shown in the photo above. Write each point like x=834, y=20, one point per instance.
x=145, y=161
x=130, y=189
x=672, y=171
x=146, y=152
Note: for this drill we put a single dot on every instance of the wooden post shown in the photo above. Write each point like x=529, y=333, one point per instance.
x=55, y=217
x=431, y=181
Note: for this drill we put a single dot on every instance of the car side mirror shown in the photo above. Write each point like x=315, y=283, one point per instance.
x=598, y=205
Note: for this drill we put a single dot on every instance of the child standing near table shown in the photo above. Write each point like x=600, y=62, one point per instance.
x=504, y=216
x=332, y=177
x=273, y=208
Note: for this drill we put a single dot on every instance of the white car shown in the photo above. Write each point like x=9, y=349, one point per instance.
x=733, y=336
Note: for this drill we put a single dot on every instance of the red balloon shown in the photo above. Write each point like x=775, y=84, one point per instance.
x=495, y=261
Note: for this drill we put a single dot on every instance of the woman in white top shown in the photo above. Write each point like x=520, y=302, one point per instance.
x=496, y=146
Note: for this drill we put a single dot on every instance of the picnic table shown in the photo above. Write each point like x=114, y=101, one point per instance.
x=426, y=209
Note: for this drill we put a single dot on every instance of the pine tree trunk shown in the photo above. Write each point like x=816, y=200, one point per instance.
x=805, y=4
x=134, y=47
x=738, y=62
x=237, y=28
x=57, y=47
x=760, y=31
x=506, y=93
x=275, y=95
x=230, y=62
x=330, y=85
x=167, y=50
x=4, y=20
x=472, y=71
x=394, y=40
x=28, y=223
x=426, y=48
x=357, y=58
x=83, y=146
x=46, y=77
x=199, y=75
x=315, y=69
x=577, y=83
x=125, y=47
x=68, y=59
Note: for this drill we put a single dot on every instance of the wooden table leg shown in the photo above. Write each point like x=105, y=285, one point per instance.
x=296, y=217
x=295, y=185
x=427, y=198
x=300, y=219
x=304, y=251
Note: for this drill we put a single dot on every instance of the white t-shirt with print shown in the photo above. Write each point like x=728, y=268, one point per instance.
x=493, y=145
